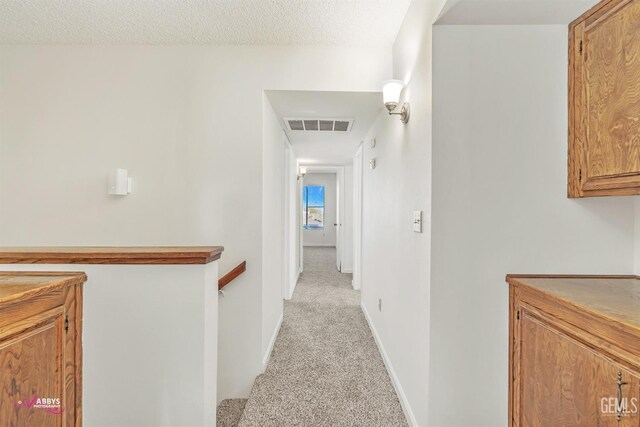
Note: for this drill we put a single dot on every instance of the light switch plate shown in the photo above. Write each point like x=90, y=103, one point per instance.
x=417, y=221
x=372, y=143
x=372, y=164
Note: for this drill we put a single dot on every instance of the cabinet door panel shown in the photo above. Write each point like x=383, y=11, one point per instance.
x=604, y=101
x=31, y=365
x=565, y=383
x=612, y=91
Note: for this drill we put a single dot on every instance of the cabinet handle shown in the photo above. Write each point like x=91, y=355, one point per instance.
x=619, y=405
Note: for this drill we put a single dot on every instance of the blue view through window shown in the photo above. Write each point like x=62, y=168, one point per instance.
x=313, y=207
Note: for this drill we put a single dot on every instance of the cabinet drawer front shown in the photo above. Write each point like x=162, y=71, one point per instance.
x=566, y=383
x=24, y=310
x=31, y=367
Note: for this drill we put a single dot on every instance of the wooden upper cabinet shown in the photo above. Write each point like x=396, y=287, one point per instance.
x=604, y=100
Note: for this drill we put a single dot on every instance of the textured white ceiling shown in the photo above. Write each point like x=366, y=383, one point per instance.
x=512, y=12
x=206, y=22
x=327, y=148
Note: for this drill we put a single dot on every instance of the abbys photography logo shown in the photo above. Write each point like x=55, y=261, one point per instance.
x=51, y=405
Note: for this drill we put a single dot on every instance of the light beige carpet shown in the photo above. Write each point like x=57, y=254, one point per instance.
x=325, y=369
x=229, y=412
x=319, y=258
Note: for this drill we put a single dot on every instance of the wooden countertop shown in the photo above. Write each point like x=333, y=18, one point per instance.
x=18, y=285
x=110, y=254
x=615, y=298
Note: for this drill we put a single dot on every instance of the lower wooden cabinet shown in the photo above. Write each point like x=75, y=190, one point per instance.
x=41, y=349
x=574, y=351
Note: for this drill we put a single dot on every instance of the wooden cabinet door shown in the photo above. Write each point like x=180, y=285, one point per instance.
x=604, y=79
x=32, y=367
x=563, y=382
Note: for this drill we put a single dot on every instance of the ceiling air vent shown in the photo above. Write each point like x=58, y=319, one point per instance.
x=318, y=125
x=326, y=125
x=341, y=126
x=295, y=124
x=310, y=125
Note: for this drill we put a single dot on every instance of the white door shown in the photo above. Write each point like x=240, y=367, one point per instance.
x=339, y=215
x=357, y=219
x=299, y=197
x=286, y=227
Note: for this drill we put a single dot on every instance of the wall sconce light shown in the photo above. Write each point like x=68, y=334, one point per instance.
x=302, y=172
x=119, y=182
x=391, y=90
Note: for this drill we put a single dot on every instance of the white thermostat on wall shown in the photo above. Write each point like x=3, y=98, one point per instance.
x=119, y=182
x=372, y=164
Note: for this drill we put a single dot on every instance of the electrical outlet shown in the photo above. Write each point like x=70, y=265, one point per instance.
x=372, y=164
x=380, y=304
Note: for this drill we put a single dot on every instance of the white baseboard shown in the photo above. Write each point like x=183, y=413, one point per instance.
x=295, y=283
x=346, y=270
x=267, y=355
x=406, y=408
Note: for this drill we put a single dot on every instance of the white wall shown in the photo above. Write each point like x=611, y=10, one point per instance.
x=187, y=123
x=500, y=205
x=327, y=235
x=130, y=376
x=395, y=260
x=272, y=226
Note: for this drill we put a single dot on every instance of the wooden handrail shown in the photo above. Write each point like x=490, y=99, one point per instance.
x=227, y=278
x=109, y=254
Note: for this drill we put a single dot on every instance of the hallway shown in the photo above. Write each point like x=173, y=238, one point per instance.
x=321, y=258
x=325, y=369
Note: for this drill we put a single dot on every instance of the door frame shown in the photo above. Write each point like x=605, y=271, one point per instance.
x=340, y=203
x=290, y=219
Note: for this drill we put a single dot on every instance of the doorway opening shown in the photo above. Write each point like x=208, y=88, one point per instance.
x=322, y=208
x=324, y=218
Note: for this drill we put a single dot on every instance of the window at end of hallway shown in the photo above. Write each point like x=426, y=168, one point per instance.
x=313, y=207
